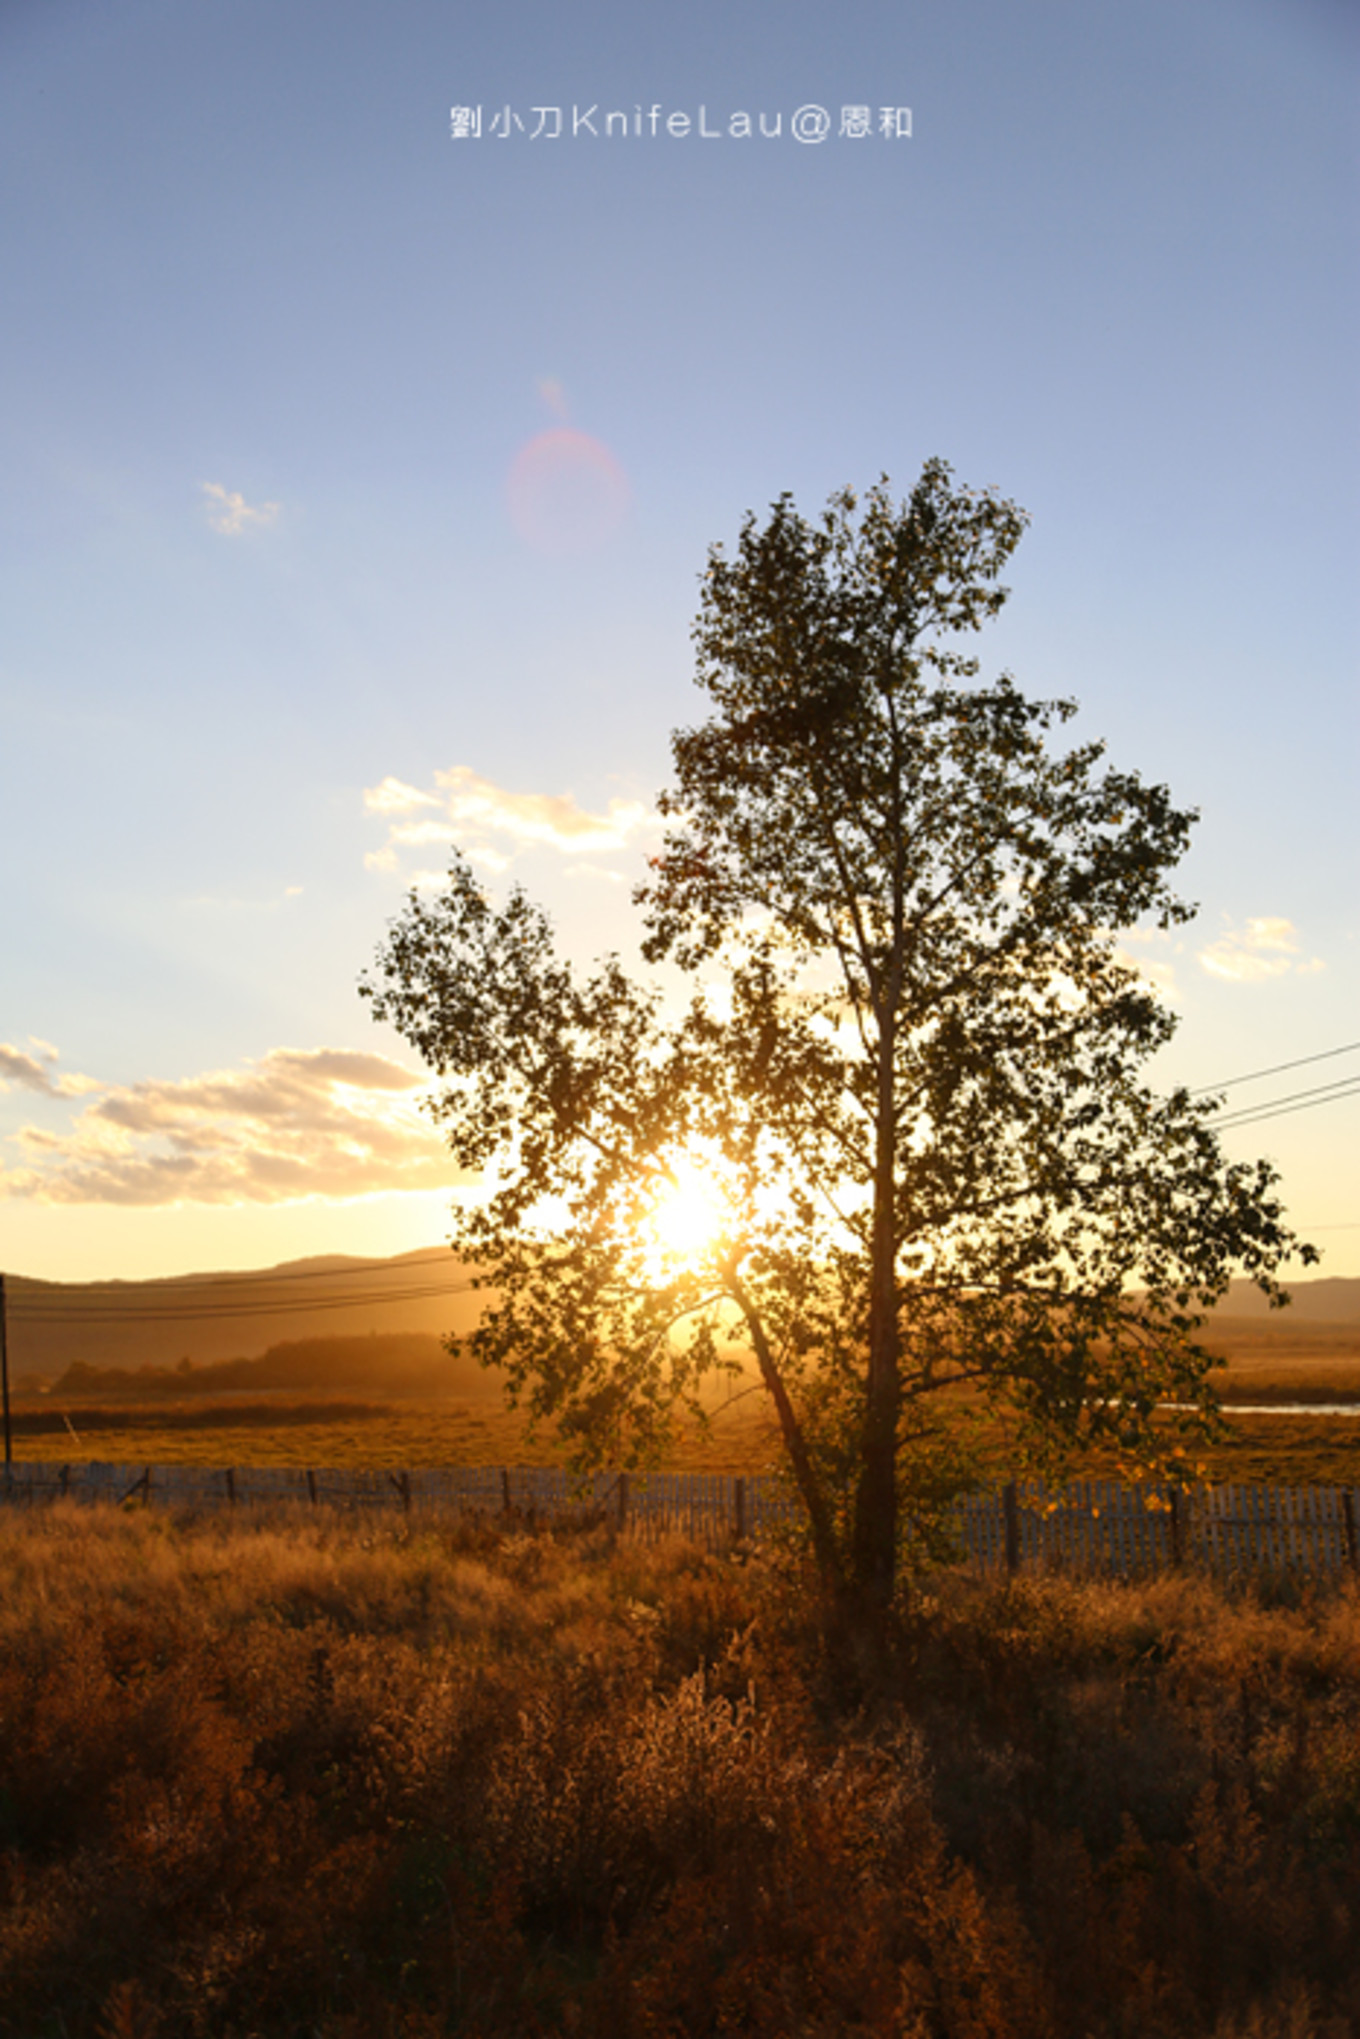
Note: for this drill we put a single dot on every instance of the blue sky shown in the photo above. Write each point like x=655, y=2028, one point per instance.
x=274, y=342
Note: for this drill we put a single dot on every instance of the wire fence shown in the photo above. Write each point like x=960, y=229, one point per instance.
x=714, y=1508
x=1089, y=1525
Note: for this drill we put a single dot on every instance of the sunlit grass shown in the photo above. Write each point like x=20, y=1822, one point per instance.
x=1289, y=1450
x=1269, y=1361
x=389, y=1436
x=296, y=1771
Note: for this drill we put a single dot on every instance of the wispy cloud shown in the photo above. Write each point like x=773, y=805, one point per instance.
x=231, y=514
x=394, y=796
x=36, y=1072
x=490, y=824
x=1264, y=947
x=299, y=1122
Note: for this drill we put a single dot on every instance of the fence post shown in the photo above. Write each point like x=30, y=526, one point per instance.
x=739, y=1507
x=1177, y=1528
x=1010, y=1506
x=230, y=1476
x=402, y=1482
x=4, y=1383
x=505, y=1489
x=311, y=1486
x=1348, y=1511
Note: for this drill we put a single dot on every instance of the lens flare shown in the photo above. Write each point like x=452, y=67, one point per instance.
x=554, y=396
x=567, y=493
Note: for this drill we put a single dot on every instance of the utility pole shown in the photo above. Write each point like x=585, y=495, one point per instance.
x=4, y=1381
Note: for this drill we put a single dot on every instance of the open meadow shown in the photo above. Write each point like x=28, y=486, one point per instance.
x=1309, y=1449
x=377, y=1402
x=325, y=1432
x=303, y=1773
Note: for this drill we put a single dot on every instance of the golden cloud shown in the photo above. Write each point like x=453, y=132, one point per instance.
x=1267, y=946
x=299, y=1122
x=480, y=815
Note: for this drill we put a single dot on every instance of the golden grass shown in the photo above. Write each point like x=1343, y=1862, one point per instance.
x=297, y=1772
x=1288, y=1450
x=382, y=1436
x=1288, y=1361
x=1269, y=1360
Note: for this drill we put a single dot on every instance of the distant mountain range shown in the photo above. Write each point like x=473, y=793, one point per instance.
x=1332, y=1299
x=386, y=1363
x=210, y=1318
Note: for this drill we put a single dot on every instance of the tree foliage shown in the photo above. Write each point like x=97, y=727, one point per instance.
x=909, y=1075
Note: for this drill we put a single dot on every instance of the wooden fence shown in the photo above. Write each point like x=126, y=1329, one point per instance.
x=1091, y=1525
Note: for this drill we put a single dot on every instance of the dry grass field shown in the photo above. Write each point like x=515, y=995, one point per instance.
x=304, y=1774
x=320, y=1432
x=1280, y=1360
x=1268, y=1362
x=289, y=1774
x=1288, y=1450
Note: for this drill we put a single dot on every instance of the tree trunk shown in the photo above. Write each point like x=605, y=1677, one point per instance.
x=874, y=1555
x=805, y=1477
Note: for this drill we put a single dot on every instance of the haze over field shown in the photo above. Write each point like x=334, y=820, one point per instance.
x=210, y=1318
x=422, y=1296
x=376, y=426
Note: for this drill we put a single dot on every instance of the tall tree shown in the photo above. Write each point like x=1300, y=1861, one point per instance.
x=907, y=1090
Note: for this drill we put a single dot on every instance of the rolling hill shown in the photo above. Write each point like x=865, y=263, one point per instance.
x=211, y=1318
x=208, y=1319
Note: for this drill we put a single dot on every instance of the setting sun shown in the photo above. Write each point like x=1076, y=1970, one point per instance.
x=689, y=1214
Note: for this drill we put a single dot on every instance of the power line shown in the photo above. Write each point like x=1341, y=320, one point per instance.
x=98, y=1299
x=1283, y=1111
x=44, y=1306
x=1278, y=1069
x=1342, y=1087
x=51, y=1311
x=230, y=1278
x=293, y=1306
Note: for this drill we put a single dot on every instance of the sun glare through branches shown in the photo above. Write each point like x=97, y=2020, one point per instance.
x=688, y=1214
